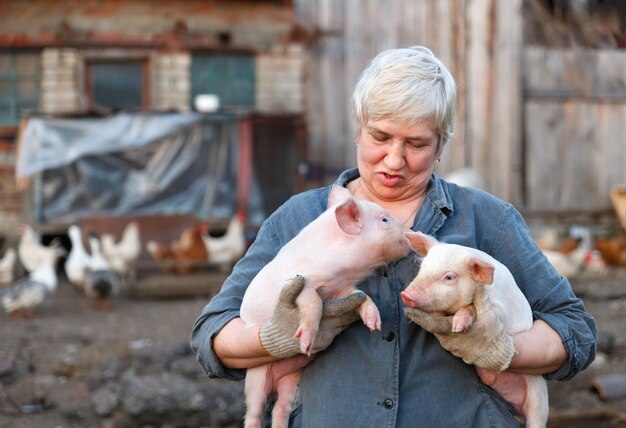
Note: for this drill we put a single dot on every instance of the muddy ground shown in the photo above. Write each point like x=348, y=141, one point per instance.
x=73, y=366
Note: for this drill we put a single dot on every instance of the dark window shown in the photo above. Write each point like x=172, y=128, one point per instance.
x=229, y=76
x=19, y=84
x=117, y=84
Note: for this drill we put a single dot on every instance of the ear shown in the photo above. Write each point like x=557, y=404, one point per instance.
x=349, y=217
x=480, y=270
x=421, y=243
x=338, y=194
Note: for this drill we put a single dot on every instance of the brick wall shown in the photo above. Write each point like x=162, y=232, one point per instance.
x=61, y=81
x=171, y=82
x=279, y=79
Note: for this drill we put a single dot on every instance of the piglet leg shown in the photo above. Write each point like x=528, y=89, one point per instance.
x=257, y=389
x=286, y=388
x=536, y=407
x=463, y=319
x=369, y=313
x=310, y=305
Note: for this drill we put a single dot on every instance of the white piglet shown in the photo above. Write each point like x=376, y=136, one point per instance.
x=341, y=247
x=446, y=284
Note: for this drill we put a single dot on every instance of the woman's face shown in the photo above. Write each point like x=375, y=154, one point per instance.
x=396, y=160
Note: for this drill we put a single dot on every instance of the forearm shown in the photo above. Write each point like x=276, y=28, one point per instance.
x=238, y=346
x=540, y=350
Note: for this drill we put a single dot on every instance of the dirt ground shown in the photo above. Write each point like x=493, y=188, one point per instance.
x=52, y=366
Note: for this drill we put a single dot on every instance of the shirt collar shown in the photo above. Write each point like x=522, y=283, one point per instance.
x=436, y=192
x=439, y=196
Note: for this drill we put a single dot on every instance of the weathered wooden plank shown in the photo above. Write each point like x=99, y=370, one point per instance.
x=479, y=88
x=611, y=71
x=575, y=73
x=459, y=152
x=609, y=163
x=543, y=122
x=576, y=146
x=358, y=51
x=329, y=83
x=505, y=160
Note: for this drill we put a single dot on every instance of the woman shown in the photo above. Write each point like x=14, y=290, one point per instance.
x=401, y=376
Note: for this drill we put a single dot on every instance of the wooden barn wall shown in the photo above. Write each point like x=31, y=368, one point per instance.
x=479, y=41
x=575, y=128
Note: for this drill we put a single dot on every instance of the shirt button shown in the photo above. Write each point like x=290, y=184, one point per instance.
x=388, y=403
x=390, y=336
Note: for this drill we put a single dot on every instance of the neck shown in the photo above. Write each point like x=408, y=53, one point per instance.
x=404, y=210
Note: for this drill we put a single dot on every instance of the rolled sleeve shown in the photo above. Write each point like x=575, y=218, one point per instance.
x=225, y=305
x=578, y=333
x=204, y=331
x=550, y=295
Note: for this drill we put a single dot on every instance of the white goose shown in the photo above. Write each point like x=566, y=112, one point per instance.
x=28, y=292
x=79, y=261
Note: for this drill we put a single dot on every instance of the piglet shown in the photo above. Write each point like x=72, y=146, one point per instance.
x=341, y=247
x=481, y=295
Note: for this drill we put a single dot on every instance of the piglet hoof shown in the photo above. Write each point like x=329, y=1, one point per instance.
x=462, y=321
x=307, y=336
x=370, y=315
x=459, y=328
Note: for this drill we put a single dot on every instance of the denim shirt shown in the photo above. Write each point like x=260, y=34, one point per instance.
x=401, y=376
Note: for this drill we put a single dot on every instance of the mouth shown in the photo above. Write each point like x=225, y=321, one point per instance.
x=389, y=179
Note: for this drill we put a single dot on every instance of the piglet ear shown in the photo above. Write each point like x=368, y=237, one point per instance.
x=348, y=217
x=480, y=270
x=420, y=242
x=338, y=194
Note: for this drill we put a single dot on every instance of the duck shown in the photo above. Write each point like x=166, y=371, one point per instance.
x=79, y=261
x=20, y=298
x=7, y=266
x=101, y=282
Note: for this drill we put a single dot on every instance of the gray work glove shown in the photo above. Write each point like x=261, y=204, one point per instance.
x=278, y=336
x=485, y=344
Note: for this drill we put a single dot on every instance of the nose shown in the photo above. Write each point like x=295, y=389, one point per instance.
x=395, y=157
x=409, y=299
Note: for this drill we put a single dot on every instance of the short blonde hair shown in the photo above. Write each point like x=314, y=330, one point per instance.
x=408, y=85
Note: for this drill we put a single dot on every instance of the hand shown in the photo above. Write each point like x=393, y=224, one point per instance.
x=278, y=336
x=484, y=344
x=287, y=366
x=511, y=386
x=431, y=323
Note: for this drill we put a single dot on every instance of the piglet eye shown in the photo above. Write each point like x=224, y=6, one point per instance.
x=449, y=277
x=384, y=220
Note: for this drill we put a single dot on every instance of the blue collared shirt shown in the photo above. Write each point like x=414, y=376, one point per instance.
x=401, y=376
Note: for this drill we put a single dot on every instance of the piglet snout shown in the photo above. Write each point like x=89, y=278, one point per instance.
x=409, y=299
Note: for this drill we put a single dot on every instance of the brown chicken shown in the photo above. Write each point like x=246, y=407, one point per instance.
x=184, y=254
x=190, y=249
x=612, y=249
x=550, y=241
